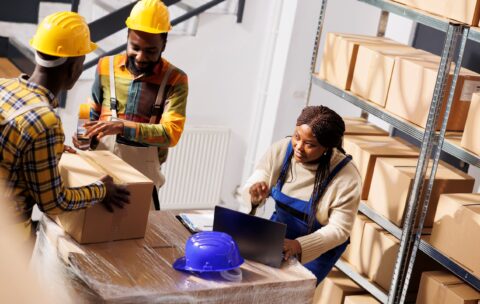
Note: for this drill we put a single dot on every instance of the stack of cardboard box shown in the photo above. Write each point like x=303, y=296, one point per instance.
x=335, y=287
x=395, y=76
x=438, y=287
x=393, y=178
x=470, y=139
x=456, y=229
x=465, y=11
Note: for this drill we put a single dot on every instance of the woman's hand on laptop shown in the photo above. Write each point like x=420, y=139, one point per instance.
x=291, y=248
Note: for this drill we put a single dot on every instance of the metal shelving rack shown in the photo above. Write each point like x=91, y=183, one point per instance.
x=432, y=145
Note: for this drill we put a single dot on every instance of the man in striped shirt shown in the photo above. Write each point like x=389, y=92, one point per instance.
x=31, y=133
x=139, y=98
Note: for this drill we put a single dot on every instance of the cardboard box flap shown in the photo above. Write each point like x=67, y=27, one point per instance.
x=465, y=292
x=444, y=278
x=382, y=145
x=408, y=167
x=77, y=172
x=116, y=167
x=432, y=63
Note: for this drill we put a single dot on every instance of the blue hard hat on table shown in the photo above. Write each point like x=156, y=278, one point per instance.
x=209, y=251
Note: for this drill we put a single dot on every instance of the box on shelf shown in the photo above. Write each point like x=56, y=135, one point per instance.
x=378, y=255
x=96, y=224
x=366, y=149
x=439, y=287
x=374, y=68
x=339, y=56
x=351, y=253
x=361, y=126
x=335, y=287
x=360, y=299
x=411, y=91
x=456, y=230
x=470, y=138
x=393, y=178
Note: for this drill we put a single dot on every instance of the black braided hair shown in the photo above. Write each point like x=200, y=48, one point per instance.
x=328, y=128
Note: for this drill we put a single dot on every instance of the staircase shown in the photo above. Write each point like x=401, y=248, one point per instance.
x=106, y=19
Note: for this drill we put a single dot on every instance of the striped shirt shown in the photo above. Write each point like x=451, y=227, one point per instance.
x=135, y=100
x=30, y=148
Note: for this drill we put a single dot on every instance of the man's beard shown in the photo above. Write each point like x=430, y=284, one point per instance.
x=136, y=71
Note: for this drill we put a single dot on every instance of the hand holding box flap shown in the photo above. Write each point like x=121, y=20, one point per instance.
x=456, y=230
x=96, y=224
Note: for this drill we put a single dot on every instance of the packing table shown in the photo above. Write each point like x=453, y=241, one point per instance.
x=140, y=270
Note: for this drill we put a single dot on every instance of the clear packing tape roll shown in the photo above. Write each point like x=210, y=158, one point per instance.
x=140, y=270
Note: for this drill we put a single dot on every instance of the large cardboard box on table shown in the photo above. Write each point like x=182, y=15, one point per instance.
x=439, y=287
x=456, y=230
x=339, y=57
x=470, y=138
x=393, y=178
x=374, y=68
x=360, y=299
x=351, y=254
x=96, y=224
x=335, y=287
x=366, y=149
x=378, y=255
x=411, y=92
x=361, y=126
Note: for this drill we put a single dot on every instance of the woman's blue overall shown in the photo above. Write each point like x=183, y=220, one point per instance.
x=294, y=213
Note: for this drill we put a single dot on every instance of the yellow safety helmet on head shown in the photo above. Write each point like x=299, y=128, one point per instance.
x=63, y=34
x=149, y=16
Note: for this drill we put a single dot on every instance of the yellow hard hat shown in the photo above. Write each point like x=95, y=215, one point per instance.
x=149, y=16
x=63, y=34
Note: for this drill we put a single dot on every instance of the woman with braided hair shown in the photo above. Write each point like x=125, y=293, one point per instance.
x=315, y=186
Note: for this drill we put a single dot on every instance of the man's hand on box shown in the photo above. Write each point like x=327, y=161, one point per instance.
x=117, y=195
x=103, y=128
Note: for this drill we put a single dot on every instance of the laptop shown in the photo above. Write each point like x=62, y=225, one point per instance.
x=258, y=239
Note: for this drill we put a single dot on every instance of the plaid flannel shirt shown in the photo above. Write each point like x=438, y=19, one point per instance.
x=135, y=99
x=30, y=148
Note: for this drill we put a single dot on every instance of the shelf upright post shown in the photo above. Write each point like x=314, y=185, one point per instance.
x=316, y=46
x=410, y=235
x=463, y=31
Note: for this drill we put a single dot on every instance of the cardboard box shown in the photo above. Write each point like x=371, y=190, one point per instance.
x=456, y=230
x=411, y=92
x=465, y=11
x=339, y=57
x=470, y=138
x=361, y=299
x=393, y=177
x=439, y=287
x=378, y=255
x=96, y=224
x=361, y=126
x=374, y=68
x=351, y=254
x=366, y=149
x=335, y=287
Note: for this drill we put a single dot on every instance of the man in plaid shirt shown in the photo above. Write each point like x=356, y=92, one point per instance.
x=31, y=133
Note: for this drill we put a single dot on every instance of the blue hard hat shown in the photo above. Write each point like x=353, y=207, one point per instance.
x=209, y=251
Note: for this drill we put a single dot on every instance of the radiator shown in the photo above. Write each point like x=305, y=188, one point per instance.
x=194, y=169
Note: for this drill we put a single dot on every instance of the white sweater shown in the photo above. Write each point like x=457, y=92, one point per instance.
x=338, y=205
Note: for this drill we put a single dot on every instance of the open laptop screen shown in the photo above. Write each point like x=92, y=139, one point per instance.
x=258, y=239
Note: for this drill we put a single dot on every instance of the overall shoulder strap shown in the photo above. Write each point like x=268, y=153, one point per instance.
x=160, y=100
x=113, y=96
